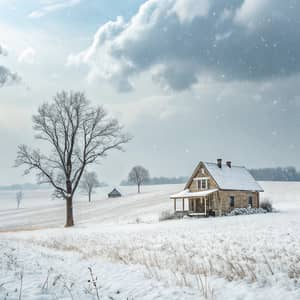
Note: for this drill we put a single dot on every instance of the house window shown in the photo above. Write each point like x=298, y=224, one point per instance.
x=202, y=184
x=202, y=171
x=231, y=201
x=250, y=201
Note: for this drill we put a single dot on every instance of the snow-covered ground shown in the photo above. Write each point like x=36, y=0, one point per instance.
x=134, y=256
x=39, y=210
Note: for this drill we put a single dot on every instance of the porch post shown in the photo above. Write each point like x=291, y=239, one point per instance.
x=194, y=204
x=219, y=204
x=182, y=204
x=205, y=199
x=174, y=204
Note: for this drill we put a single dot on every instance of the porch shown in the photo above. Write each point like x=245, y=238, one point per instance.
x=194, y=204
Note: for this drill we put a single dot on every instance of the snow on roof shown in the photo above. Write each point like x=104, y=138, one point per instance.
x=188, y=194
x=234, y=178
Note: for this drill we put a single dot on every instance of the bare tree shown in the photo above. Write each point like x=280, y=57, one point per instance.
x=19, y=197
x=138, y=175
x=89, y=182
x=78, y=135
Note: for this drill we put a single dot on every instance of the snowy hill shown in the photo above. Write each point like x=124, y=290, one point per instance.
x=39, y=210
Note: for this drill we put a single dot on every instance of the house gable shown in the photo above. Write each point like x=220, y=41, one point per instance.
x=200, y=171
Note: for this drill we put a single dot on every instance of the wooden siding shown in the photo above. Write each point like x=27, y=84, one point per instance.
x=194, y=185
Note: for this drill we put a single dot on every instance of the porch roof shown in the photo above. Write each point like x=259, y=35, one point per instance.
x=188, y=194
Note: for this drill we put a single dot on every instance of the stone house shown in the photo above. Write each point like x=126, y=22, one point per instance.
x=216, y=189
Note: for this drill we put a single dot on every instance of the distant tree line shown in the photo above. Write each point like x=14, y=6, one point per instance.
x=263, y=174
x=32, y=186
x=159, y=180
x=276, y=174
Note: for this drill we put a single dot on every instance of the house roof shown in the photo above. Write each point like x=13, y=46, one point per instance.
x=234, y=178
x=188, y=194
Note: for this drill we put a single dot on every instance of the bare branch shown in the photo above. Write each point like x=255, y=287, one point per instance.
x=33, y=159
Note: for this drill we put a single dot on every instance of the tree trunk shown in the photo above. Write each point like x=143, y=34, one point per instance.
x=69, y=211
x=90, y=197
x=69, y=205
x=139, y=188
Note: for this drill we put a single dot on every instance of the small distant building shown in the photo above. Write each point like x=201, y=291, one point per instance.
x=216, y=189
x=114, y=194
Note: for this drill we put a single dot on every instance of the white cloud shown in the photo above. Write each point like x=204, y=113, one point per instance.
x=187, y=10
x=251, y=9
x=97, y=56
x=27, y=56
x=178, y=41
x=3, y=50
x=113, y=37
x=53, y=6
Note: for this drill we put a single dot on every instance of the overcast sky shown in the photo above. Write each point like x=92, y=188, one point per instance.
x=189, y=79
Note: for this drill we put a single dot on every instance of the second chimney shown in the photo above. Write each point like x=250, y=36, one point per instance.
x=219, y=162
x=228, y=163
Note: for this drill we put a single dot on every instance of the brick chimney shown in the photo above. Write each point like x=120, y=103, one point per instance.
x=228, y=163
x=219, y=163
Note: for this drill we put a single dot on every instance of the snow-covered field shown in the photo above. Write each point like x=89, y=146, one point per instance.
x=133, y=256
x=38, y=209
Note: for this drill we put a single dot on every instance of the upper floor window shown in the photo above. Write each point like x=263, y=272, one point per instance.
x=202, y=184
